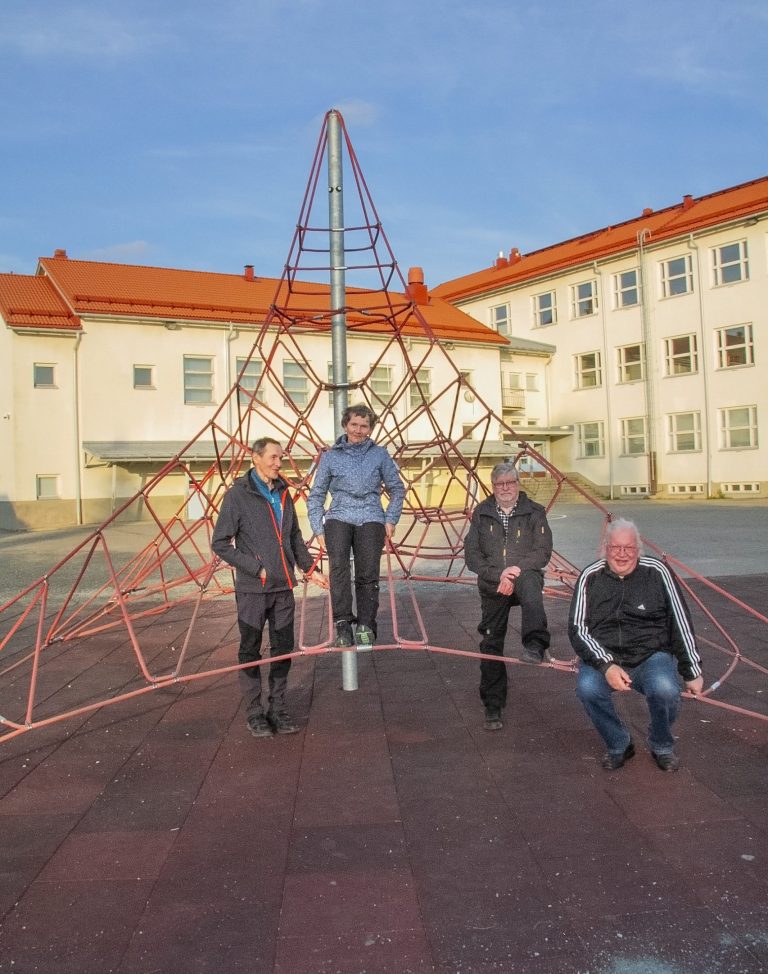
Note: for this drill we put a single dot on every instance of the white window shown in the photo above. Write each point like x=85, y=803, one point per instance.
x=295, y=383
x=44, y=376
x=544, y=309
x=249, y=380
x=531, y=382
x=735, y=347
x=631, y=360
x=381, y=383
x=681, y=355
x=730, y=263
x=626, y=289
x=676, y=276
x=47, y=486
x=684, y=432
x=198, y=379
x=330, y=380
x=500, y=319
x=738, y=428
x=583, y=299
x=633, y=436
x=591, y=439
x=421, y=390
x=143, y=377
x=467, y=431
x=588, y=370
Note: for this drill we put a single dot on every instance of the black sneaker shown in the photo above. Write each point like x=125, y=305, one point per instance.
x=493, y=719
x=344, y=636
x=666, y=762
x=612, y=762
x=532, y=655
x=259, y=726
x=281, y=722
x=364, y=637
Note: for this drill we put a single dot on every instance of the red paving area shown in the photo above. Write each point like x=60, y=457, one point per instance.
x=393, y=834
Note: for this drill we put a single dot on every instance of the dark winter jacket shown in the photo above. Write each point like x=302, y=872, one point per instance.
x=247, y=518
x=626, y=620
x=354, y=474
x=528, y=543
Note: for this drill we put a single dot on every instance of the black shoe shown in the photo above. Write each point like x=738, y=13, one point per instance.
x=532, y=655
x=259, y=726
x=493, y=719
x=344, y=636
x=612, y=762
x=281, y=722
x=667, y=762
x=364, y=637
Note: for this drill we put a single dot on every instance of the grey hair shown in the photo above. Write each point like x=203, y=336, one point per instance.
x=501, y=469
x=622, y=524
x=260, y=445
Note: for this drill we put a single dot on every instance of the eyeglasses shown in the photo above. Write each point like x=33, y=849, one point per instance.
x=618, y=548
x=505, y=484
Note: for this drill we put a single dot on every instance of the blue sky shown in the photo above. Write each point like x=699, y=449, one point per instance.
x=181, y=134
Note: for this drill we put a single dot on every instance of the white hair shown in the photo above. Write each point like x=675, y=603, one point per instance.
x=622, y=524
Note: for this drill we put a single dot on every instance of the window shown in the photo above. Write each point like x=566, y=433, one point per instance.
x=249, y=380
x=588, y=370
x=735, y=347
x=633, y=436
x=44, y=376
x=330, y=380
x=631, y=363
x=500, y=319
x=626, y=289
x=544, y=309
x=198, y=379
x=467, y=430
x=584, y=299
x=676, y=277
x=684, y=432
x=681, y=355
x=295, y=383
x=730, y=263
x=421, y=392
x=738, y=428
x=531, y=382
x=591, y=439
x=47, y=486
x=143, y=377
x=381, y=383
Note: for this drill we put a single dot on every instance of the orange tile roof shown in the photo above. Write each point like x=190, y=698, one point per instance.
x=32, y=302
x=94, y=288
x=693, y=214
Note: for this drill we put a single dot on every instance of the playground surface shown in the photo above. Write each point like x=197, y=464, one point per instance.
x=393, y=834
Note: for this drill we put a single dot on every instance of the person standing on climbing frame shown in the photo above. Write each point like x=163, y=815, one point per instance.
x=354, y=471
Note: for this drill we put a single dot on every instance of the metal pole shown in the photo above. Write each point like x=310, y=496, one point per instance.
x=339, y=319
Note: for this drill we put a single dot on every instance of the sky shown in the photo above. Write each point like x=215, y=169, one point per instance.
x=181, y=134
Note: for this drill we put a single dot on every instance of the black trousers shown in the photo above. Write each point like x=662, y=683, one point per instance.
x=495, y=609
x=254, y=611
x=365, y=542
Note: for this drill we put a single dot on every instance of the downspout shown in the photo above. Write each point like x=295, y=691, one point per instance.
x=232, y=335
x=645, y=327
x=692, y=245
x=78, y=451
x=609, y=438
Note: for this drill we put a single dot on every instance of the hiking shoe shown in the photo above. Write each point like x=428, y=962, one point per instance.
x=364, y=637
x=259, y=726
x=666, y=762
x=493, y=719
x=344, y=636
x=281, y=722
x=612, y=762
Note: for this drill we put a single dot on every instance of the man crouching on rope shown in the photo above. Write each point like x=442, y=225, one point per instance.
x=258, y=515
x=631, y=627
x=508, y=546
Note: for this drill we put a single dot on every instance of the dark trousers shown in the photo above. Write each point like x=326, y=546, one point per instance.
x=495, y=608
x=365, y=542
x=254, y=611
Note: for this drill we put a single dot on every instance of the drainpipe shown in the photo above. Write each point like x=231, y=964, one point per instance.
x=692, y=245
x=609, y=438
x=76, y=432
x=232, y=335
x=645, y=327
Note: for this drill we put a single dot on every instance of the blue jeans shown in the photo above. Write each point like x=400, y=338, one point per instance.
x=656, y=678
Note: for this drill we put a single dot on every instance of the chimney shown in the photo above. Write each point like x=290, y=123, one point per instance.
x=647, y=211
x=501, y=261
x=248, y=275
x=515, y=256
x=687, y=201
x=60, y=254
x=417, y=289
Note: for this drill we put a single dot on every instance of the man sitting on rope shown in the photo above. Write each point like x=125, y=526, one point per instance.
x=258, y=515
x=508, y=546
x=631, y=627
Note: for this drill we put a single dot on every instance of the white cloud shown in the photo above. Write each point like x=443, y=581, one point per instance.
x=131, y=249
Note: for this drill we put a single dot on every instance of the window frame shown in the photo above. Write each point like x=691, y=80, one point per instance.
x=42, y=478
x=581, y=371
x=628, y=437
x=417, y=398
x=301, y=399
x=144, y=386
x=190, y=373
x=540, y=311
x=244, y=381
x=721, y=268
x=669, y=288
x=727, y=429
x=620, y=289
x=722, y=349
x=624, y=366
x=674, y=432
x=583, y=440
x=672, y=357
x=577, y=299
x=373, y=379
x=495, y=319
x=37, y=381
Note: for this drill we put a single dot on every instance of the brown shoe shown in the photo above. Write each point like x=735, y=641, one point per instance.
x=666, y=762
x=612, y=762
x=282, y=723
x=493, y=721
